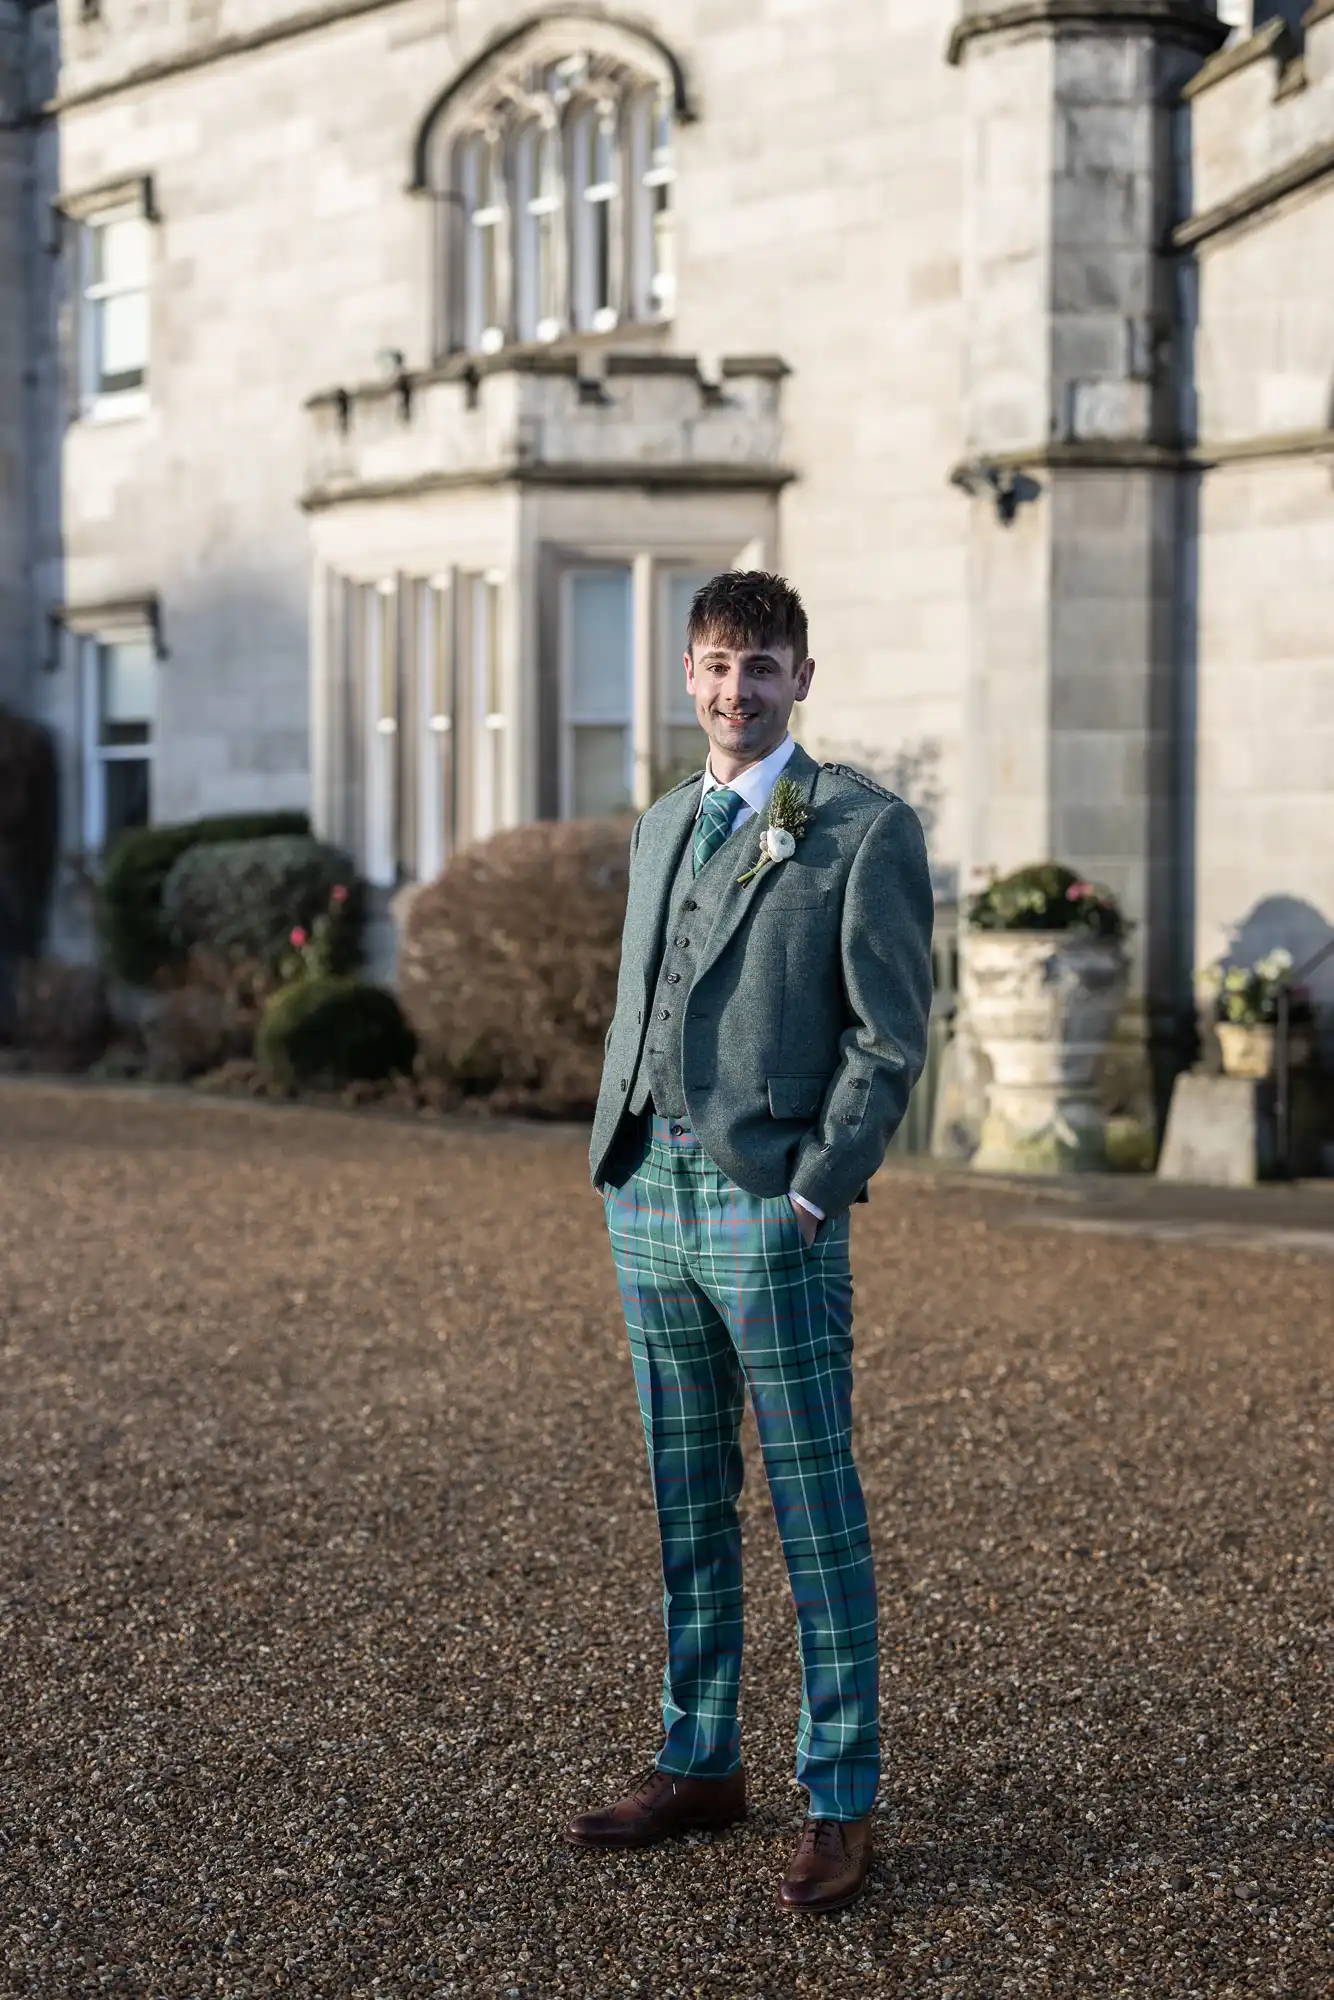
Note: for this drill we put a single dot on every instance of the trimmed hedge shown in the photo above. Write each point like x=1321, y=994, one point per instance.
x=333, y=1031
x=136, y=938
x=241, y=898
x=509, y=962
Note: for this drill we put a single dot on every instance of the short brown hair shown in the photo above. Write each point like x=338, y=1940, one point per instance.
x=749, y=608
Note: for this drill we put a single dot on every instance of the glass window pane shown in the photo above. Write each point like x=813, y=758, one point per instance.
x=601, y=772
x=127, y=693
x=126, y=795
x=120, y=252
x=122, y=340
x=601, y=641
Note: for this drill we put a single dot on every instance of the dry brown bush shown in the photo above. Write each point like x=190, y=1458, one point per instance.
x=509, y=964
x=61, y=1020
x=206, y=1016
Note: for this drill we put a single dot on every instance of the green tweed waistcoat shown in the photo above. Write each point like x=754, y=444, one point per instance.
x=804, y=1023
x=692, y=907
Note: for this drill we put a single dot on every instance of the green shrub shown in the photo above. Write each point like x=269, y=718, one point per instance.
x=333, y=1031
x=242, y=898
x=136, y=939
x=1132, y=1146
x=1046, y=897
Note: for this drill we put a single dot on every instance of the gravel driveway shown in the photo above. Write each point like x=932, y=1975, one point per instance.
x=328, y=1588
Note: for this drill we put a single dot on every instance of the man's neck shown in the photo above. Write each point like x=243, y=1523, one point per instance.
x=725, y=770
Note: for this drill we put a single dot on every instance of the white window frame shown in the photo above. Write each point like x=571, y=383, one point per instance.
x=569, y=720
x=539, y=210
x=596, y=204
x=94, y=401
x=380, y=696
x=96, y=754
x=437, y=709
x=653, y=180
x=488, y=749
x=480, y=178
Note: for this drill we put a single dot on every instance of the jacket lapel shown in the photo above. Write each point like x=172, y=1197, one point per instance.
x=660, y=862
x=741, y=856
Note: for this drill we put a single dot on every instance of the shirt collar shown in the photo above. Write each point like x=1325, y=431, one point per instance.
x=754, y=785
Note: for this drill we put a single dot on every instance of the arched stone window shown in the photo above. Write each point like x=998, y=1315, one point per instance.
x=552, y=164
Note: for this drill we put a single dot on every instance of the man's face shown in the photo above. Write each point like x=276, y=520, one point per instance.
x=744, y=698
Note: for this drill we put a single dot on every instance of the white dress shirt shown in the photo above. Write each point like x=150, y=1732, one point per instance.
x=753, y=788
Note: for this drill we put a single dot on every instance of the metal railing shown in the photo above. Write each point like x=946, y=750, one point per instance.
x=1284, y=1168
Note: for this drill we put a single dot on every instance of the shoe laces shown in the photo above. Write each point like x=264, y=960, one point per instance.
x=652, y=1781
x=818, y=1833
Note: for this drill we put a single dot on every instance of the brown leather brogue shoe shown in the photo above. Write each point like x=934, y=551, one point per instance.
x=830, y=1866
x=659, y=1807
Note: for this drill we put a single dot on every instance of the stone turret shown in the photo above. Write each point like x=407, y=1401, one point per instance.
x=1079, y=491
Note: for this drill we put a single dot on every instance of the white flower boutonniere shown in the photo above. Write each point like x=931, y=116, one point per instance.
x=785, y=824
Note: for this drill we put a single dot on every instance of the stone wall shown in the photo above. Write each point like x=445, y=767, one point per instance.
x=1265, y=384
x=819, y=211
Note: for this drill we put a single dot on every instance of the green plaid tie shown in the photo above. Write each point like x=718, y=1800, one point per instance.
x=714, y=824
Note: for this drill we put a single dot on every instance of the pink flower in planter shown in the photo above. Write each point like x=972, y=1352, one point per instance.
x=1077, y=892
x=298, y=937
x=338, y=894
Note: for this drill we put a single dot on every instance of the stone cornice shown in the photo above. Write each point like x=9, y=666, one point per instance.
x=1082, y=455
x=309, y=21
x=1309, y=168
x=1272, y=41
x=1259, y=450
x=1114, y=456
x=1189, y=21
x=698, y=478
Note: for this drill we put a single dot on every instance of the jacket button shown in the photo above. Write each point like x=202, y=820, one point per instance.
x=664, y=1013
x=683, y=944
x=689, y=905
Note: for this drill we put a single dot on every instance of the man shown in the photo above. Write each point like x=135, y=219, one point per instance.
x=770, y=1024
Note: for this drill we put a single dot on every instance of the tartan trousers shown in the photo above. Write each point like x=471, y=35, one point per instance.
x=721, y=1295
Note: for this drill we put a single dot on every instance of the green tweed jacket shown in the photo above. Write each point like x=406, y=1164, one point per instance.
x=805, y=1025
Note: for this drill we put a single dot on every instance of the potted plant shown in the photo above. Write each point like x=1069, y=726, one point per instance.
x=1044, y=974
x=1244, y=1002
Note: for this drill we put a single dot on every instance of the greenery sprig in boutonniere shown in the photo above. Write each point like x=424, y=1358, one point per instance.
x=785, y=824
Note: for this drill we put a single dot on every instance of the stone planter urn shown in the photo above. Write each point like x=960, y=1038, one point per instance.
x=1042, y=1006
x=1250, y=1051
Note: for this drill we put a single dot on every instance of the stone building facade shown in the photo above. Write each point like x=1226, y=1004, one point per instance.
x=377, y=378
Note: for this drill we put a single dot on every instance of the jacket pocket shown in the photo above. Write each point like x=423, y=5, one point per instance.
x=796, y=1096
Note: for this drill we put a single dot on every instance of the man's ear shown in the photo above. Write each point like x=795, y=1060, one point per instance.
x=805, y=675
x=690, y=674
